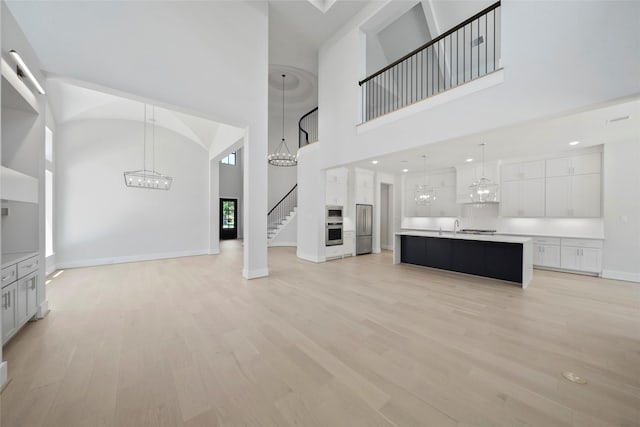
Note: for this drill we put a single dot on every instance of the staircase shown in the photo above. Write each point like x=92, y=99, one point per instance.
x=282, y=214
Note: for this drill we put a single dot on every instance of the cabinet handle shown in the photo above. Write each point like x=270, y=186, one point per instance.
x=33, y=285
x=31, y=265
x=9, y=299
x=5, y=277
x=4, y=301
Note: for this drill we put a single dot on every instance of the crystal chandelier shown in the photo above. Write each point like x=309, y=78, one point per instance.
x=149, y=179
x=424, y=193
x=282, y=156
x=483, y=190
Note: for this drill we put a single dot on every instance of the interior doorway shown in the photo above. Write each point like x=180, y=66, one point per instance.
x=386, y=216
x=228, y=219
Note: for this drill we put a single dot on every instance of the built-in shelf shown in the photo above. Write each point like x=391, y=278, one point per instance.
x=18, y=187
x=15, y=93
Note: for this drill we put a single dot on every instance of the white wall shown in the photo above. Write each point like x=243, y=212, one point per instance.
x=311, y=207
x=100, y=220
x=622, y=210
x=231, y=186
x=537, y=69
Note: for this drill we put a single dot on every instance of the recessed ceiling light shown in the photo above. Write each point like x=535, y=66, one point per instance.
x=405, y=170
x=469, y=160
x=375, y=162
x=574, y=143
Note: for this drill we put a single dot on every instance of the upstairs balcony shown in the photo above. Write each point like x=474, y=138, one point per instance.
x=466, y=52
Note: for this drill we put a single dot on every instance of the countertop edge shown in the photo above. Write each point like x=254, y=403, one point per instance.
x=16, y=257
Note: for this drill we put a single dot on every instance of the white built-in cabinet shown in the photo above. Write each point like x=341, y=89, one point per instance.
x=336, y=187
x=581, y=255
x=574, y=186
x=19, y=295
x=564, y=187
x=364, y=186
x=444, y=205
x=546, y=252
x=466, y=175
x=523, y=189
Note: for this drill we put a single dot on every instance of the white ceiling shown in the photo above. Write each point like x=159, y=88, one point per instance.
x=74, y=102
x=535, y=139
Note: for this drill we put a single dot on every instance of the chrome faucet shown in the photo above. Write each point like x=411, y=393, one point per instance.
x=456, y=226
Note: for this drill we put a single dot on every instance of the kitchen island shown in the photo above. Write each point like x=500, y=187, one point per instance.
x=501, y=257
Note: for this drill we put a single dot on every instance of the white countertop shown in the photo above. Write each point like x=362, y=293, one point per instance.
x=479, y=237
x=10, y=258
x=559, y=236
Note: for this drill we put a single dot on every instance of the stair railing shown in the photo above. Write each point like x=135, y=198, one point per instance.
x=308, y=128
x=464, y=53
x=282, y=209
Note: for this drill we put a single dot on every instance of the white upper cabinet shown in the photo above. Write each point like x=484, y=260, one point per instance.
x=525, y=170
x=336, y=187
x=574, y=165
x=364, y=186
x=574, y=186
x=523, y=189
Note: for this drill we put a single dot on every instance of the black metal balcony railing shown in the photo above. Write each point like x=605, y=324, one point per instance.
x=467, y=51
x=308, y=128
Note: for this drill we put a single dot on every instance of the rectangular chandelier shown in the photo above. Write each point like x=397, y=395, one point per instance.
x=147, y=179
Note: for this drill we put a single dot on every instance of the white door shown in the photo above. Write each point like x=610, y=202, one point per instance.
x=557, y=196
x=32, y=295
x=532, y=197
x=550, y=256
x=558, y=167
x=590, y=260
x=570, y=258
x=585, y=195
x=8, y=311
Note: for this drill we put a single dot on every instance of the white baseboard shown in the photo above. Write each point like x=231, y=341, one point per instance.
x=43, y=309
x=276, y=244
x=387, y=247
x=312, y=258
x=621, y=275
x=132, y=258
x=214, y=251
x=4, y=374
x=255, y=274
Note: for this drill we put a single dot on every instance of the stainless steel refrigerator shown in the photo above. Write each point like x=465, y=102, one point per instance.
x=364, y=227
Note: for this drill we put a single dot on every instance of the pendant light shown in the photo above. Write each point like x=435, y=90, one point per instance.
x=282, y=156
x=144, y=178
x=424, y=194
x=483, y=190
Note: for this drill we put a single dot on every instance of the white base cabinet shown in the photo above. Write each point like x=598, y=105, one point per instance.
x=546, y=252
x=20, y=296
x=582, y=255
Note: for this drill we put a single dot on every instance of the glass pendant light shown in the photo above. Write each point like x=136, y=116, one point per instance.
x=282, y=156
x=424, y=194
x=483, y=190
x=144, y=178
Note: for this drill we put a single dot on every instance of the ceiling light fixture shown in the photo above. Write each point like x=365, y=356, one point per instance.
x=375, y=162
x=574, y=143
x=424, y=193
x=469, y=160
x=282, y=156
x=149, y=179
x=23, y=70
x=483, y=190
x=405, y=170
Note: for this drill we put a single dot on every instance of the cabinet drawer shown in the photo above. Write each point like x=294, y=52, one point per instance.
x=27, y=266
x=546, y=241
x=582, y=243
x=9, y=275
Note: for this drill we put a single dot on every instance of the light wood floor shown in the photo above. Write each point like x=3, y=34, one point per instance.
x=353, y=342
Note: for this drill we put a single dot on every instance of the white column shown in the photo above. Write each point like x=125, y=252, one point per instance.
x=255, y=190
x=214, y=203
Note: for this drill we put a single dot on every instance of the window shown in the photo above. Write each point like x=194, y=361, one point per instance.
x=230, y=159
x=48, y=191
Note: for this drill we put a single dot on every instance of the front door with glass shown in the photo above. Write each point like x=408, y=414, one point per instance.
x=228, y=219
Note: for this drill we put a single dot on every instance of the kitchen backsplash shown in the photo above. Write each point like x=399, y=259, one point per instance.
x=486, y=217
